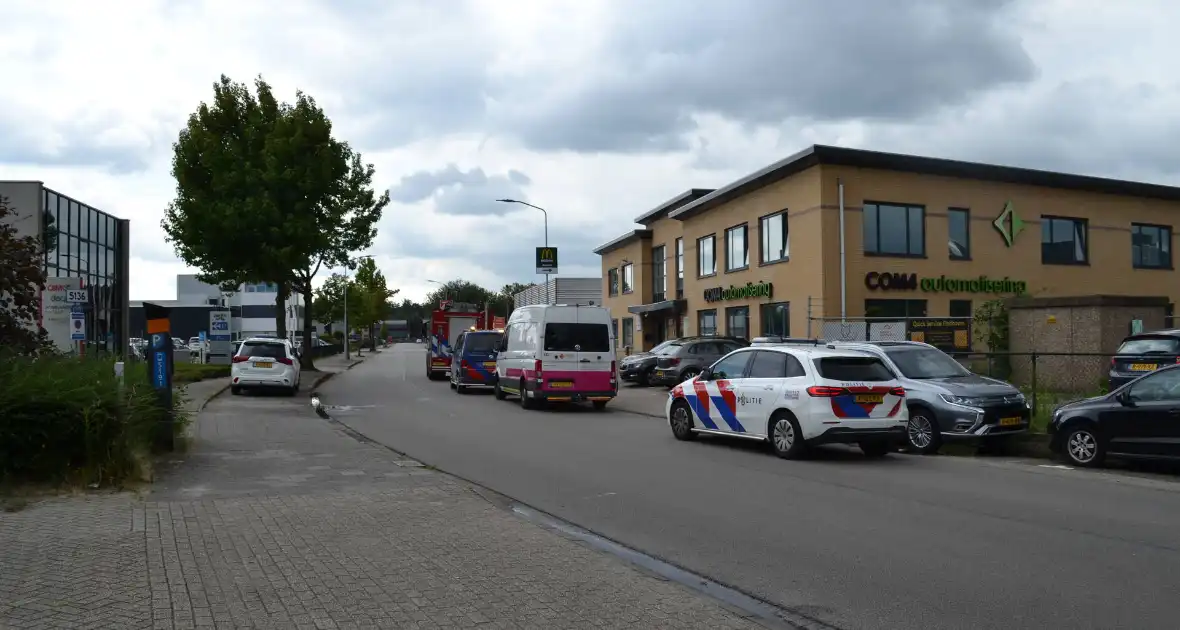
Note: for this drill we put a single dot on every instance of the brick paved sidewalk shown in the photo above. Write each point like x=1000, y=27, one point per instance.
x=278, y=519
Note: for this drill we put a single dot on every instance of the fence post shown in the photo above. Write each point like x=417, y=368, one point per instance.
x=1034, y=382
x=809, y=318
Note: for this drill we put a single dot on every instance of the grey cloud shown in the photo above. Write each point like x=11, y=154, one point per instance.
x=82, y=146
x=763, y=61
x=511, y=255
x=1093, y=127
x=458, y=193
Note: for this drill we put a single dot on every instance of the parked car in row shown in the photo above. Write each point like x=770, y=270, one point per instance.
x=1143, y=353
x=1138, y=420
x=683, y=359
x=640, y=367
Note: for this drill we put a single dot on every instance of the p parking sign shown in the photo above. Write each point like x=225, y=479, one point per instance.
x=546, y=260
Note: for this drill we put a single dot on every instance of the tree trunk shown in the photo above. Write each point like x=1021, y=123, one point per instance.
x=281, y=309
x=372, y=338
x=305, y=361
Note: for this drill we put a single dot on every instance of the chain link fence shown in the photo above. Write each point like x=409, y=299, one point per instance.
x=1048, y=379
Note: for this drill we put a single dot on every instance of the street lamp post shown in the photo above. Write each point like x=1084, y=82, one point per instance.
x=546, y=215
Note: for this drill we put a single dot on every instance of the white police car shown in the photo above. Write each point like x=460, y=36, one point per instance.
x=792, y=397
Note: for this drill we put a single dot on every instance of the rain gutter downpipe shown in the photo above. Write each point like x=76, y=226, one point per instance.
x=843, y=259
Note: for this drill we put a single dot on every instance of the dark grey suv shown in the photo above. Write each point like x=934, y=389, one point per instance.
x=683, y=359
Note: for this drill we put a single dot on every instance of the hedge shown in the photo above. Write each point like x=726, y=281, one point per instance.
x=66, y=419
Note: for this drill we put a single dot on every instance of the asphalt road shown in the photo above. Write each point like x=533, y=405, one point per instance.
x=904, y=542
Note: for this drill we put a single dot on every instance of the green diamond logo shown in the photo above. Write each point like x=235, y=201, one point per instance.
x=1008, y=224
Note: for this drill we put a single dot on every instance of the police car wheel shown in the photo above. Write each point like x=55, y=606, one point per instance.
x=786, y=439
x=681, y=421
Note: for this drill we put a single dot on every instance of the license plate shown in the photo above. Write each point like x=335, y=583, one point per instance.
x=1010, y=422
x=865, y=399
x=1143, y=367
x=560, y=384
x=660, y=373
x=491, y=365
x=263, y=364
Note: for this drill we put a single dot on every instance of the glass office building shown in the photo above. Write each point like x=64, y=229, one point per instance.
x=87, y=243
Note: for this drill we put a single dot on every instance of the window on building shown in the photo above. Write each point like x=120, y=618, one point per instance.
x=775, y=241
x=679, y=268
x=737, y=248
x=895, y=309
x=706, y=255
x=659, y=274
x=1151, y=246
x=614, y=331
x=628, y=278
x=737, y=322
x=628, y=332
x=612, y=281
x=894, y=230
x=961, y=308
x=707, y=322
x=958, y=221
x=776, y=319
x=1063, y=241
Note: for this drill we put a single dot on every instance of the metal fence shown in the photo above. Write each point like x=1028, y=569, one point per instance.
x=1048, y=379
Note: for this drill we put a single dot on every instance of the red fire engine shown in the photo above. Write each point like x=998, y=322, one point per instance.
x=446, y=322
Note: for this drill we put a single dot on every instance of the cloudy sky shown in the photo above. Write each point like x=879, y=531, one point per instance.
x=594, y=109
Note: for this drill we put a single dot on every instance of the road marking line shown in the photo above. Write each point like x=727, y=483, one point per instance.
x=1055, y=466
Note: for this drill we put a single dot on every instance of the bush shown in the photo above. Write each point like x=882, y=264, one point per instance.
x=65, y=419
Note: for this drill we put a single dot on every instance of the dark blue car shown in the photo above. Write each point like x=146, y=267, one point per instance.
x=1144, y=353
x=473, y=359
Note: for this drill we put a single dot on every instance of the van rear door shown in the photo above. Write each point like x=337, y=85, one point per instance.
x=595, y=357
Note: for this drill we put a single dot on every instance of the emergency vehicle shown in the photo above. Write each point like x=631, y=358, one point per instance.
x=447, y=322
x=794, y=397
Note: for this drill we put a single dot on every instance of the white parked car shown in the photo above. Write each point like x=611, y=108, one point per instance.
x=794, y=397
x=265, y=363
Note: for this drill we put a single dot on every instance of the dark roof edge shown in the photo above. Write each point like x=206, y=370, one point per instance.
x=692, y=194
x=860, y=158
x=622, y=240
x=768, y=175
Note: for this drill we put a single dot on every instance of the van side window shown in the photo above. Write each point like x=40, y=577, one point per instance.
x=530, y=335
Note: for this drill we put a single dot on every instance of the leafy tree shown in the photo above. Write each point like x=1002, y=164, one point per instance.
x=459, y=291
x=224, y=211
x=328, y=305
x=374, y=296
x=264, y=192
x=22, y=277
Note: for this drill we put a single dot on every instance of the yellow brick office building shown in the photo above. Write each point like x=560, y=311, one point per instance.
x=922, y=237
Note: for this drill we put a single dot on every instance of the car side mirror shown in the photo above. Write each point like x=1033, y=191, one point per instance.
x=1124, y=398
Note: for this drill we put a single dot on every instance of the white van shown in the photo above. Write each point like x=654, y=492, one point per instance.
x=557, y=352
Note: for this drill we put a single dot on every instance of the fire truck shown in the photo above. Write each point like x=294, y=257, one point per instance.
x=446, y=322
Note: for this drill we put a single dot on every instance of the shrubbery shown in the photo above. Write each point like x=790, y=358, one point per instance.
x=65, y=419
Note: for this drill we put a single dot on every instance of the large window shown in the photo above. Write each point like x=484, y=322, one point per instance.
x=1151, y=246
x=707, y=255
x=899, y=309
x=628, y=332
x=628, y=278
x=958, y=223
x=776, y=319
x=894, y=230
x=707, y=322
x=679, y=268
x=737, y=248
x=775, y=242
x=659, y=274
x=961, y=308
x=737, y=322
x=571, y=337
x=612, y=281
x=1063, y=241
